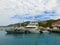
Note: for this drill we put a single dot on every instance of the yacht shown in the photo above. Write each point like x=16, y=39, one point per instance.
x=15, y=30
x=33, y=27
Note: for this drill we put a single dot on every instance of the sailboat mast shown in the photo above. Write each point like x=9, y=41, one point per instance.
x=20, y=24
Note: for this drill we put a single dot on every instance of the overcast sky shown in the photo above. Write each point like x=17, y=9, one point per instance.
x=14, y=11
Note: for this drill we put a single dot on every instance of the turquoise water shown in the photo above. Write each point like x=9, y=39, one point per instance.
x=29, y=39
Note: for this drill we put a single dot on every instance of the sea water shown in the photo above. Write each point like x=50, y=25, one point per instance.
x=29, y=39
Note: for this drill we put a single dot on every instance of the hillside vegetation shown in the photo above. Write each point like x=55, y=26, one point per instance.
x=46, y=23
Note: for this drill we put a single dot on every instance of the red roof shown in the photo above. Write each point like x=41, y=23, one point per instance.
x=56, y=23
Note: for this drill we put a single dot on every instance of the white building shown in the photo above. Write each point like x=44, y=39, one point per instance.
x=56, y=25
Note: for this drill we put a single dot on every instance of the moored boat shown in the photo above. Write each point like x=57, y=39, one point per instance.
x=33, y=27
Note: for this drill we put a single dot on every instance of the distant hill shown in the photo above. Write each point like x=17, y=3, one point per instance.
x=46, y=23
x=18, y=24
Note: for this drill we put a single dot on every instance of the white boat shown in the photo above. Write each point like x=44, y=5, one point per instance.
x=45, y=31
x=33, y=27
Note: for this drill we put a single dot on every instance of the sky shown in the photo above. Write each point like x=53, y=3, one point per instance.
x=14, y=11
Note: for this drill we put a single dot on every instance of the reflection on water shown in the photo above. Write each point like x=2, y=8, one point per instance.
x=29, y=39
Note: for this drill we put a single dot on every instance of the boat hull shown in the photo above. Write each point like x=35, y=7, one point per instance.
x=14, y=32
x=17, y=32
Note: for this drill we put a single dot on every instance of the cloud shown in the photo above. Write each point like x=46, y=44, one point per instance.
x=12, y=10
